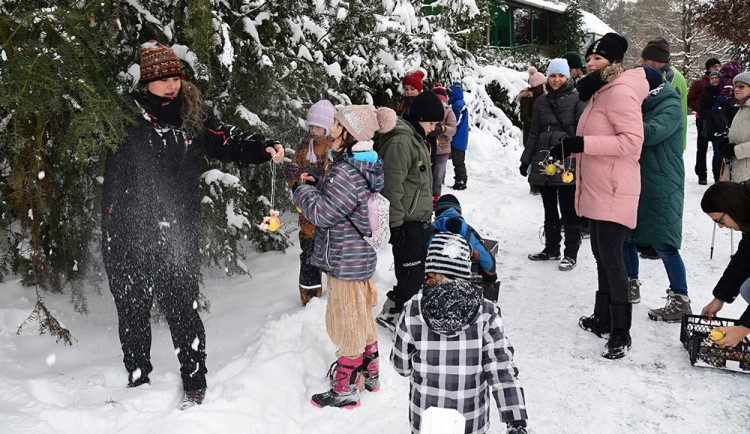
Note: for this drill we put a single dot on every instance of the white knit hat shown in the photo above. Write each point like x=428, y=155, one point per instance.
x=321, y=115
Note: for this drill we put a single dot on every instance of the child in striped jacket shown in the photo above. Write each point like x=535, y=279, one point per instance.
x=334, y=205
x=451, y=345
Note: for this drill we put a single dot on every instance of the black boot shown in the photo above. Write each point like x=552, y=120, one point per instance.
x=552, y=238
x=572, y=243
x=619, y=340
x=599, y=322
x=460, y=184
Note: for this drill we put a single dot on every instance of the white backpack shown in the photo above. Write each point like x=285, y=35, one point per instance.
x=378, y=209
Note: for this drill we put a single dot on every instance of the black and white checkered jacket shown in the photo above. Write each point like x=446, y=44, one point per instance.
x=458, y=370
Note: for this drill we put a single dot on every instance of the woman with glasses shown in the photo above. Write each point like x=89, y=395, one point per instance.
x=728, y=204
x=735, y=149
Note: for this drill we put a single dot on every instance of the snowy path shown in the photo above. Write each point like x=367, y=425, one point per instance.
x=267, y=355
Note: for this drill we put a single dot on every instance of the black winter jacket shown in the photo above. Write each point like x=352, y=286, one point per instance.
x=728, y=287
x=547, y=129
x=151, y=185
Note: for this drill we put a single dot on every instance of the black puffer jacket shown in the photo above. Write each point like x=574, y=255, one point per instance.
x=728, y=287
x=546, y=130
x=151, y=188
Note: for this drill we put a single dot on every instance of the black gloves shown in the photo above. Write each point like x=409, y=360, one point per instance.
x=567, y=146
x=727, y=149
x=524, y=169
x=488, y=278
x=397, y=236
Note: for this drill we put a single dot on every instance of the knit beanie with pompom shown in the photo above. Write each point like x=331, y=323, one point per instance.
x=361, y=121
x=414, y=79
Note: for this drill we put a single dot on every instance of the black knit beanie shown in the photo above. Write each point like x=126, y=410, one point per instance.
x=610, y=46
x=446, y=202
x=711, y=62
x=657, y=50
x=426, y=107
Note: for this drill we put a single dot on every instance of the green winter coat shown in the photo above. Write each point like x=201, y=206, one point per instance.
x=662, y=171
x=408, y=177
x=679, y=83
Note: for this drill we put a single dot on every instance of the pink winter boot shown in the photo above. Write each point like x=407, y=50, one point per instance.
x=344, y=392
x=371, y=367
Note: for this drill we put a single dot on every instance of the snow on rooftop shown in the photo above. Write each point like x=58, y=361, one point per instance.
x=591, y=23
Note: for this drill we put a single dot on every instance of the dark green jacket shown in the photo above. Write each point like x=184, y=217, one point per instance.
x=662, y=171
x=408, y=177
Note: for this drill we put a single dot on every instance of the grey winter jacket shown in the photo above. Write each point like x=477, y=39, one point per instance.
x=408, y=177
x=546, y=131
x=340, y=250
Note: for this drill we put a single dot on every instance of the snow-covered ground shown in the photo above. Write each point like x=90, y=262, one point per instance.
x=267, y=355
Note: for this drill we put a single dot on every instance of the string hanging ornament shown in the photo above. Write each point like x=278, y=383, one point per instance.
x=272, y=221
x=552, y=166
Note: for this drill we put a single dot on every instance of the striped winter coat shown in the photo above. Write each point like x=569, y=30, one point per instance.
x=458, y=370
x=340, y=251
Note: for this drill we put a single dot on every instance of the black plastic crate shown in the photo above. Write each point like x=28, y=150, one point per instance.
x=694, y=335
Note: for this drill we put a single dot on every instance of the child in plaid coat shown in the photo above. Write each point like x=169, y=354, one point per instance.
x=451, y=345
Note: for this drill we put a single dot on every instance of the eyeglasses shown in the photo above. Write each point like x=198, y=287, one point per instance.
x=720, y=220
x=739, y=86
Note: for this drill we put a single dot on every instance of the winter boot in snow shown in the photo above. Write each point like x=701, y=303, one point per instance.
x=677, y=305
x=388, y=317
x=192, y=398
x=460, y=184
x=617, y=345
x=572, y=240
x=344, y=392
x=552, y=238
x=371, y=367
x=619, y=340
x=135, y=379
x=306, y=293
x=598, y=323
x=567, y=264
x=634, y=291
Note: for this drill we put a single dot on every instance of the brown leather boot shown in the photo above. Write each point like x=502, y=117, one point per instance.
x=306, y=293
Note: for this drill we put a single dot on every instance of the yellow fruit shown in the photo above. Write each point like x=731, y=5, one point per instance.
x=274, y=223
x=550, y=169
x=716, y=335
x=298, y=210
x=567, y=176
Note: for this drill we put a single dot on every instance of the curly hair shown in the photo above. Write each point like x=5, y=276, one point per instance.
x=192, y=112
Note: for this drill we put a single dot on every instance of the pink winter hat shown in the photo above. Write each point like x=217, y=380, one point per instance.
x=536, y=79
x=321, y=115
x=361, y=121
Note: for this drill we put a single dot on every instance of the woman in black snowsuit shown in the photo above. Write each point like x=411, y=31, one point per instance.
x=150, y=212
x=555, y=116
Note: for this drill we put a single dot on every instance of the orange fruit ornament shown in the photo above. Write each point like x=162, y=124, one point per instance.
x=567, y=177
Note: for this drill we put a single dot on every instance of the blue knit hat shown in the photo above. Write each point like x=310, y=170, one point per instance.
x=558, y=66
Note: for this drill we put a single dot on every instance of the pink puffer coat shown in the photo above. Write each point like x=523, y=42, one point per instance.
x=608, y=175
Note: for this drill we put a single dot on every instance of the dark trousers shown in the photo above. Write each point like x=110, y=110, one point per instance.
x=137, y=275
x=409, y=261
x=702, y=148
x=566, y=197
x=309, y=275
x=606, y=244
x=459, y=163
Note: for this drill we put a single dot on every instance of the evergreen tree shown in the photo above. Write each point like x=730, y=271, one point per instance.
x=65, y=67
